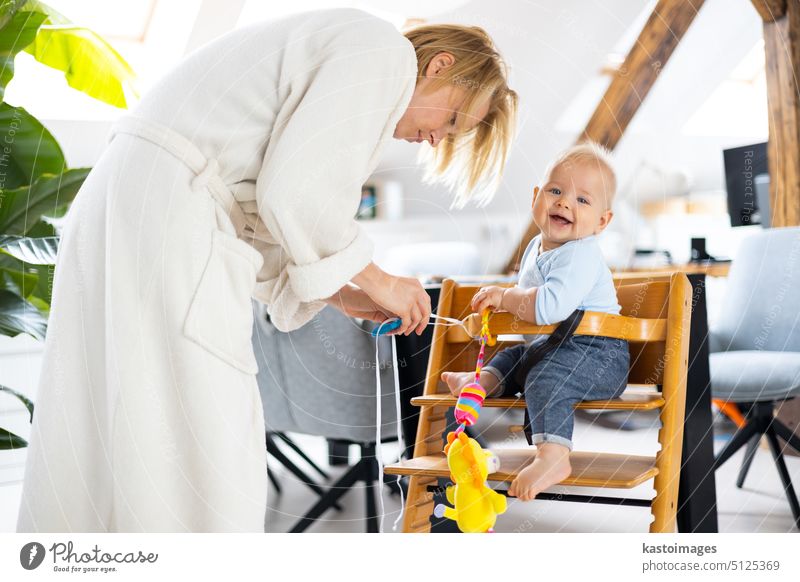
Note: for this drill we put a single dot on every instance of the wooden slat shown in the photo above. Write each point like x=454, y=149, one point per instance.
x=647, y=297
x=628, y=401
x=634, y=329
x=630, y=86
x=588, y=469
x=782, y=53
x=670, y=435
x=640, y=294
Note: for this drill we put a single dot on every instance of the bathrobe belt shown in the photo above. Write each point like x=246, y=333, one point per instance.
x=206, y=170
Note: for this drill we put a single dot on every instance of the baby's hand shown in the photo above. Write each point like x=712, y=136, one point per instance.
x=487, y=298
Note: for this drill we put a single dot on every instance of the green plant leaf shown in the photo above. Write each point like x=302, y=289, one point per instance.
x=40, y=303
x=89, y=63
x=18, y=281
x=44, y=227
x=22, y=208
x=21, y=397
x=17, y=32
x=34, y=282
x=27, y=149
x=18, y=315
x=34, y=251
x=8, y=441
x=9, y=8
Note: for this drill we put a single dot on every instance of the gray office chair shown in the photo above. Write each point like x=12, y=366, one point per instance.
x=320, y=380
x=755, y=359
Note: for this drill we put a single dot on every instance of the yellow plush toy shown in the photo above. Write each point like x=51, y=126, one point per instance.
x=475, y=505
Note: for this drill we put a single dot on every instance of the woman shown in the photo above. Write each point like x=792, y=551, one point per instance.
x=237, y=176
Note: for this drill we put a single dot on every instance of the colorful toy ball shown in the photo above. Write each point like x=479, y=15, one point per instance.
x=469, y=404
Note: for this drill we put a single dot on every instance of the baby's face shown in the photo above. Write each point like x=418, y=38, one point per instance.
x=573, y=203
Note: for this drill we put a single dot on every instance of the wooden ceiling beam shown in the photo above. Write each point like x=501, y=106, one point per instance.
x=770, y=10
x=782, y=53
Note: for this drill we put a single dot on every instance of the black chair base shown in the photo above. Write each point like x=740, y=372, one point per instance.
x=275, y=451
x=761, y=421
x=366, y=471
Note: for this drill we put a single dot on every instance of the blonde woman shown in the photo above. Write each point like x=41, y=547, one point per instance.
x=237, y=176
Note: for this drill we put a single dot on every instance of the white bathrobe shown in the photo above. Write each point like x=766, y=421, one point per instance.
x=237, y=176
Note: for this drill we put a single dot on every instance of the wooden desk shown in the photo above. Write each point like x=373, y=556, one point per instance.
x=709, y=269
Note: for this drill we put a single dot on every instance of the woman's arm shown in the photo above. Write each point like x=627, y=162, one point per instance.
x=354, y=302
x=402, y=296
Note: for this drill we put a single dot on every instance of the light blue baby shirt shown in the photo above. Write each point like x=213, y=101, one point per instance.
x=572, y=276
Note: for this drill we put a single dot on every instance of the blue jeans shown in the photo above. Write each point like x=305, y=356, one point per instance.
x=581, y=368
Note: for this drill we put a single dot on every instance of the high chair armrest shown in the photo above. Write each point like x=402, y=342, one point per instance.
x=634, y=329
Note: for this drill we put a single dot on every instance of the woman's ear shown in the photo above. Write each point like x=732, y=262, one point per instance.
x=439, y=63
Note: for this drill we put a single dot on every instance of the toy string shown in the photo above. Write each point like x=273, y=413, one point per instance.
x=485, y=338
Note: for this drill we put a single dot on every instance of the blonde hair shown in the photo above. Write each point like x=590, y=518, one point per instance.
x=589, y=152
x=470, y=163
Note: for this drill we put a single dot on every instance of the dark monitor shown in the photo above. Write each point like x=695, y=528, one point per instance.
x=745, y=175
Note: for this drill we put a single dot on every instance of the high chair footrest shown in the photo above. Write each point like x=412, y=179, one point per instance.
x=588, y=469
x=628, y=401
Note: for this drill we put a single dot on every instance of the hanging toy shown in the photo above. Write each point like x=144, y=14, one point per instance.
x=470, y=401
x=475, y=504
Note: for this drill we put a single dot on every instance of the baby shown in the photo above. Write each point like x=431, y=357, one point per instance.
x=562, y=270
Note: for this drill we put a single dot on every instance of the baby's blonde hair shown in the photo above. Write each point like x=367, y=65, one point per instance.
x=589, y=152
x=470, y=163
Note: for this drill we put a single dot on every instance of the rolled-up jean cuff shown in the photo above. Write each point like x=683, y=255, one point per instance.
x=544, y=437
x=494, y=372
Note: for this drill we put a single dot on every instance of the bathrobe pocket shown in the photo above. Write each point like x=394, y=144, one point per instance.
x=220, y=316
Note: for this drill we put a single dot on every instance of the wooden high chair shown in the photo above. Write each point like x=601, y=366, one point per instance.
x=655, y=319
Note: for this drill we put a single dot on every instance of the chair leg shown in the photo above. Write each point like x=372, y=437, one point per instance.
x=338, y=453
x=784, y=473
x=274, y=481
x=274, y=450
x=740, y=438
x=750, y=452
x=370, y=475
x=292, y=445
x=372, y=509
x=329, y=499
x=783, y=431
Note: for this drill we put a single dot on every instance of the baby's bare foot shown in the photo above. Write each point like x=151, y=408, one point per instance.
x=457, y=380
x=551, y=466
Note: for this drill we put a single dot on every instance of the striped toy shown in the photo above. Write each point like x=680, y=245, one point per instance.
x=468, y=407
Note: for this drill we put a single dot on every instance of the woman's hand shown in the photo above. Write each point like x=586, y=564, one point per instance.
x=490, y=297
x=402, y=296
x=353, y=302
